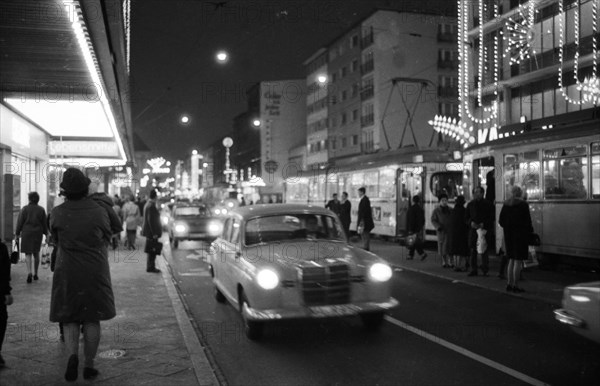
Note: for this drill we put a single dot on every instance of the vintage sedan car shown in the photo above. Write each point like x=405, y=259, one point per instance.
x=192, y=222
x=581, y=309
x=283, y=261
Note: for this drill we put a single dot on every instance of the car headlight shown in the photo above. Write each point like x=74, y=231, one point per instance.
x=267, y=279
x=165, y=220
x=380, y=272
x=215, y=228
x=217, y=211
x=180, y=228
x=223, y=211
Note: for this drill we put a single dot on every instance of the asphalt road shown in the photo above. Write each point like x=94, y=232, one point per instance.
x=443, y=333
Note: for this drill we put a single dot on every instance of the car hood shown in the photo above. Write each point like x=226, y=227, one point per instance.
x=288, y=256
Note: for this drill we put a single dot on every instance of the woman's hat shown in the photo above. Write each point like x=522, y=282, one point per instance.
x=74, y=181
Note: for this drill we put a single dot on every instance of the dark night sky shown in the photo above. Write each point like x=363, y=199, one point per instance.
x=173, y=70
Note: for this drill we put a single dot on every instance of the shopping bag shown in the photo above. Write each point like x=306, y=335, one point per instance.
x=45, y=256
x=153, y=246
x=532, y=260
x=411, y=239
x=16, y=254
x=481, y=241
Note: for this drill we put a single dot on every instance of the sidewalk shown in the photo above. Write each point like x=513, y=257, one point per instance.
x=149, y=342
x=546, y=286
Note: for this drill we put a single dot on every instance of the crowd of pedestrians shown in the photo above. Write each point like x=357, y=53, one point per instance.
x=81, y=227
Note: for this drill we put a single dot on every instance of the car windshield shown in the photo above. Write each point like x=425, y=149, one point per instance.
x=190, y=211
x=292, y=227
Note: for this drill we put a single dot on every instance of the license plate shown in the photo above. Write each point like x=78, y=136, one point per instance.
x=334, y=310
x=197, y=235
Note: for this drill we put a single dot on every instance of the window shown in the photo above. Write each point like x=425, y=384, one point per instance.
x=355, y=140
x=354, y=41
x=596, y=170
x=523, y=170
x=344, y=95
x=354, y=90
x=227, y=230
x=344, y=71
x=565, y=173
x=449, y=182
x=354, y=65
x=354, y=115
x=333, y=122
x=344, y=118
x=344, y=142
x=387, y=183
x=235, y=233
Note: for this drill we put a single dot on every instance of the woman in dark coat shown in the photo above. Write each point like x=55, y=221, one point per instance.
x=515, y=221
x=32, y=227
x=415, y=222
x=81, y=287
x=458, y=238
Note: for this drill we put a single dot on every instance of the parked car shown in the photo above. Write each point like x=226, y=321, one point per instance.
x=192, y=222
x=283, y=261
x=581, y=309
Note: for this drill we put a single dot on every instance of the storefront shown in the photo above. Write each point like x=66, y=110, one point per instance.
x=25, y=165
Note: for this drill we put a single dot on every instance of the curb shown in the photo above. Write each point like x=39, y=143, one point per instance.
x=202, y=368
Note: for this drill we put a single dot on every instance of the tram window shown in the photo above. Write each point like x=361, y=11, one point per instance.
x=565, y=176
x=595, y=170
x=357, y=181
x=387, y=186
x=371, y=183
x=523, y=170
x=449, y=183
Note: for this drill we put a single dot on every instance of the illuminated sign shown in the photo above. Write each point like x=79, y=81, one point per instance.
x=156, y=165
x=84, y=148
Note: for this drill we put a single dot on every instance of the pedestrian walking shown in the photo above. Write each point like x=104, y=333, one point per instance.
x=345, y=213
x=130, y=214
x=334, y=204
x=107, y=204
x=365, y=219
x=480, y=217
x=458, y=238
x=82, y=293
x=243, y=202
x=440, y=218
x=152, y=230
x=415, y=224
x=515, y=220
x=32, y=227
x=5, y=296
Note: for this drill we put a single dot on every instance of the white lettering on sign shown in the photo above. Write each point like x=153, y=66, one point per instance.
x=84, y=148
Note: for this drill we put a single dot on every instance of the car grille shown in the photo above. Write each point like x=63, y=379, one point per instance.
x=325, y=285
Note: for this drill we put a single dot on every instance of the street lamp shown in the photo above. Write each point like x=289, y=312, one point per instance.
x=222, y=57
x=185, y=120
x=227, y=142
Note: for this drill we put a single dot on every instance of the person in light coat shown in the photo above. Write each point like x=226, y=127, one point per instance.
x=441, y=220
x=131, y=217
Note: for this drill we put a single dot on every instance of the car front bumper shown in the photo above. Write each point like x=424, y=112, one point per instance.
x=329, y=311
x=567, y=317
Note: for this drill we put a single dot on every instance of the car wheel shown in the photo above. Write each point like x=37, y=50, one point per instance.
x=372, y=320
x=253, y=330
x=219, y=297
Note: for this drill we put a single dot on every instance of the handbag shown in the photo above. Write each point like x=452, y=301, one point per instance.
x=534, y=240
x=153, y=246
x=411, y=240
x=16, y=254
x=532, y=260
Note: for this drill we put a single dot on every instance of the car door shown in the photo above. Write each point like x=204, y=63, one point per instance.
x=231, y=256
x=220, y=263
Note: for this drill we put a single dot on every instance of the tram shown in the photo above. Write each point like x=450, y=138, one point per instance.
x=558, y=168
x=391, y=179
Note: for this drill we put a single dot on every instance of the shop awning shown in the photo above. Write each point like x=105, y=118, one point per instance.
x=64, y=68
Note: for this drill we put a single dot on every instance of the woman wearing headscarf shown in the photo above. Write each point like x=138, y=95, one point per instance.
x=458, y=240
x=31, y=227
x=81, y=287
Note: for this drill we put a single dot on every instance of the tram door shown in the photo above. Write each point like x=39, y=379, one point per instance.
x=409, y=183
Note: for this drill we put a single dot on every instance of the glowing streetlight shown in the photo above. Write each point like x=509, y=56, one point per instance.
x=322, y=79
x=194, y=152
x=256, y=122
x=222, y=57
x=185, y=119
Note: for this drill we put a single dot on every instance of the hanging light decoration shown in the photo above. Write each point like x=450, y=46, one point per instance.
x=590, y=87
x=520, y=34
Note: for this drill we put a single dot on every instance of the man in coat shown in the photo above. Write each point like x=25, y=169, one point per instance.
x=345, y=213
x=479, y=215
x=334, y=204
x=365, y=219
x=415, y=222
x=152, y=229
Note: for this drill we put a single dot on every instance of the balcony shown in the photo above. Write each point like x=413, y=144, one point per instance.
x=367, y=120
x=366, y=41
x=448, y=92
x=367, y=93
x=447, y=64
x=367, y=67
x=446, y=38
